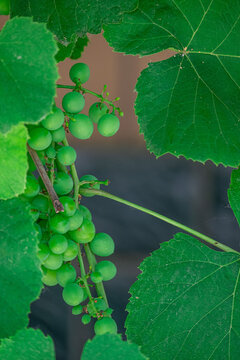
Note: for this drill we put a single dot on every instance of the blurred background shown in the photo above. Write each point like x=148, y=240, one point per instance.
x=186, y=191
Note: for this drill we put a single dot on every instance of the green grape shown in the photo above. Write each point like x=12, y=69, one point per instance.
x=63, y=183
x=77, y=310
x=81, y=127
x=40, y=203
x=96, y=277
x=35, y=214
x=85, y=212
x=40, y=138
x=85, y=295
x=69, y=205
x=51, y=152
x=108, y=125
x=53, y=261
x=4, y=7
x=105, y=325
x=49, y=277
x=32, y=187
x=109, y=311
x=66, y=155
x=54, y=120
x=58, y=244
x=73, y=102
x=66, y=274
x=79, y=73
x=86, y=319
x=85, y=233
x=102, y=245
x=88, y=186
x=71, y=252
x=59, y=224
x=75, y=221
x=39, y=231
x=43, y=252
x=31, y=165
x=72, y=294
x=58, y=135
x=107, y=269
x=96, y=111
x=100, y=305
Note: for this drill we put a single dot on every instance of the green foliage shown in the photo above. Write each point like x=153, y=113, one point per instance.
x=27, y=344
x=73, y=50
x=234, y=193
x=110, y=346
x=20, y=275
x=187, y=302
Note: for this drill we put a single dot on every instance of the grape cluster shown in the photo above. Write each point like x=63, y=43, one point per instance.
x=64, y=235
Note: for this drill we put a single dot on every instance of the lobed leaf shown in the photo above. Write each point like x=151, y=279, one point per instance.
x=73, y=50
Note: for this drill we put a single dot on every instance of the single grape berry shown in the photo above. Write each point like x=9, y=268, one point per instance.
x=72, y=294
x=66, y=274
x=43, y=252
x=51, y=152
x=40, y=138
x=107, y=269
x=96, y=277
x=32, y=187
x=63, y=183
x=96, y=111
x=40, y=203
x=105, y=325
x=79, y=73
x=66, y=155
x=100, y=304
x=85, y=233
x=77, y=310
x=73, y=102
x=85, y=212
x=75, y=221
x=58, y=244
x=88, y=186
x=81, y=127
x=71, y=252
x=54, y=120
x=108, y=125
x=31, y=165
x=53, y=261
x=86, y=319
x=68, y=205
x=59, y=224
x=49, y=277
x=102, y=245
x=58, y=135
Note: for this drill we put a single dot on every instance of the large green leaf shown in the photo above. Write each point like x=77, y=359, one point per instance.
x=73, y=50
x=27, y=344
x=234, y=193
x=185, y=304
x=110, y=346
x=65, y=18
x=20, y=275
x=188, y=105
x=13, y=162
x=28, y=72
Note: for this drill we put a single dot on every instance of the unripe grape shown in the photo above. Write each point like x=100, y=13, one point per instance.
x=58, y=244
x=85, y=212
x=109, y=311
x=105, y=325
x=85, y=295
x=100, y=305
x=88, y=186
x=85, y=233
x=75, y=221
x=39, y=231
x=96, y=277
x=31, y=165
x=59, y=224
x=73, y=102
x=51, y=152
x=35, y=214
x=102, y=245
x=40, y=203
x=66, y=274
x=43, y=252
x=96, y=111
x=66, y=155
x=79, y=73
x=32, y=187
x=58, y=135
x=77, y=310
x=86, y=319
x=81, y=127
x=49, y=277
x=53, y=120
x=108, y=125
x=71, y=252
x=107, y=269
x=72, y=294
x=63, y=183
x=40, y=138
x=69, y=205
x=53, y=261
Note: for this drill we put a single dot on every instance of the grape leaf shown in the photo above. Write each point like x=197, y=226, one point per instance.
x=185, y=304
x=13, y=162
x=65, y=18
x=188, y=105
x=20, y=275
x=73, y=50
x=28, y=72
x=110, y=346
x=234, y=193
x=27, y=344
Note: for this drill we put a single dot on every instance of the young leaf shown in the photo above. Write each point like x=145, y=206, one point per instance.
x=188, y=105
x=28, y=72
x=20, y=275
x=185, y=304
x=110, y=346
x=73, y=50
x=27, y=344
x=13, y=162
x=234, y=193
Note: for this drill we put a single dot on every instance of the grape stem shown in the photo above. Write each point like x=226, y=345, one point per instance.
x=42, y=172
x=161, y=217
